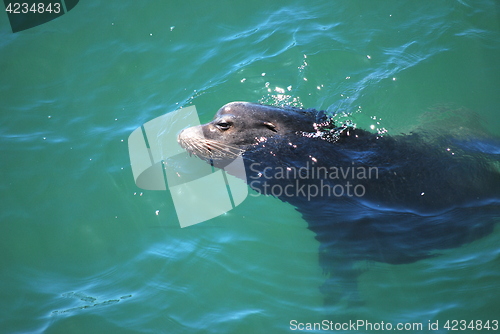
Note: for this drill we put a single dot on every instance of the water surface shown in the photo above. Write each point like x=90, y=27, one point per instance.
x=84, y=250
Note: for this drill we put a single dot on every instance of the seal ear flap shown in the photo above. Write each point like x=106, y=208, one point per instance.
x=270, y=126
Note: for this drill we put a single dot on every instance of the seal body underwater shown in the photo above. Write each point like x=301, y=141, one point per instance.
x=392, y=199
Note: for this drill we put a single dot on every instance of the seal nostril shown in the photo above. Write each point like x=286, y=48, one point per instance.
x=179, y=137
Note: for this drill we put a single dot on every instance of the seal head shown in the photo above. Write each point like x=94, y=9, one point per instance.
x=239, y=125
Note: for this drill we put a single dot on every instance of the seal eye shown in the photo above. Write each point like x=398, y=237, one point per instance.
x=223, y=125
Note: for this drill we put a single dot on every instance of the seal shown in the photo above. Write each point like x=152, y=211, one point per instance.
x=393, y=199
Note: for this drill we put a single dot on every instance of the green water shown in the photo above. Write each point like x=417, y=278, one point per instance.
x=84, y=250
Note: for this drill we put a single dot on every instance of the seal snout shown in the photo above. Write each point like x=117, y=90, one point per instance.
x=191, y=133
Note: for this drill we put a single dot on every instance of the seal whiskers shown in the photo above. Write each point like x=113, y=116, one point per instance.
x=206, y=148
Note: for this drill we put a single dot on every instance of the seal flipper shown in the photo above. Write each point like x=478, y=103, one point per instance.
x=342, y=282
x=487, y=146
